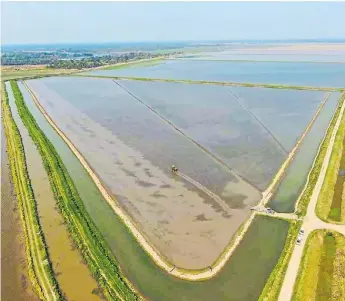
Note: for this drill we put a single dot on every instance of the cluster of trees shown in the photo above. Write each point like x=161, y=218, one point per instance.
x=98, y=61
x=62, y=59
x=27, y=58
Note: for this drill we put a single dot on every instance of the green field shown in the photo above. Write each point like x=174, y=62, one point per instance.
x=322, y=270
x=31, y=72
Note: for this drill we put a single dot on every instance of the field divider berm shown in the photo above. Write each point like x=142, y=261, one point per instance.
x=218, y=83
x=40, y=268
x=179, y=272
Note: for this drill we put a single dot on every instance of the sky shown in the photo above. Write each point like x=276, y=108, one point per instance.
x=82, y=22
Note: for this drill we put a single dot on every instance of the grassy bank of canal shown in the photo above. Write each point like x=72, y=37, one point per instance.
x=90, y=243
x=40, y=268
x=66, y=261
x=16, y=285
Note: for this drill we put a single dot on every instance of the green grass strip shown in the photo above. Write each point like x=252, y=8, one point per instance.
x=303, y=202
x=321, y=275
x=39, y=265
x=336, y=211
x=274, y=283
x=324, y=283
x=219, y=83
x=88, y=239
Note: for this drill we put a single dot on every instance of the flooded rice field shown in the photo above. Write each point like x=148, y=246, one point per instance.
x=15, y=282
x=293, y=73
x=67, y=262
x=248, y=268
x=295, y=177
x=132, y=150
x=269, y=57
x=251, y=129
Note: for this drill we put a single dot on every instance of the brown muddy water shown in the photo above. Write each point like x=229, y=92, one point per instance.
x=185, y=225
x=15, y=282
x=71, y=272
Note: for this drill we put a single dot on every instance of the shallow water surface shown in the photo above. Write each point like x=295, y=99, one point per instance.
x=282, y=73
x=132, y=150
x=248, y=268
x=296, y=175
x=251, y=129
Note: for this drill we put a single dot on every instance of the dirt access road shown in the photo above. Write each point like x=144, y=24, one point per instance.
x=310, y=222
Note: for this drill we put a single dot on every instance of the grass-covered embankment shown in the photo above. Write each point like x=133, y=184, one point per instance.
x=88, y=239
x=274, y=283
x=331, y=204
x=31, y=72
x=219, y=83
x=40, y=268
x=303, y=201
x=135, y=63
x=322, y=270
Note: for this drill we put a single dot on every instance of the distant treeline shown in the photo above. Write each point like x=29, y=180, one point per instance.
x=98, y=61
x=72, y=60
x=39, y=58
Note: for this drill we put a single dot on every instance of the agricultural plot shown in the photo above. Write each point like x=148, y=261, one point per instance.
x=132, y=150
x=266, y=237
x=251, y=129
x=322, y=270
x=129, y=146
x=280, y=73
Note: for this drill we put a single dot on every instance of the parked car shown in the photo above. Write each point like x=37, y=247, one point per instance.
x=301, y=232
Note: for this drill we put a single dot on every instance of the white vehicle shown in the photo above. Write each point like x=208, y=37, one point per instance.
x=299, y=239
x=301, y=232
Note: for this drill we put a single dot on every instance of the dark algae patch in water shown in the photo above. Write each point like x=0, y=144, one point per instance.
x=248, y=268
